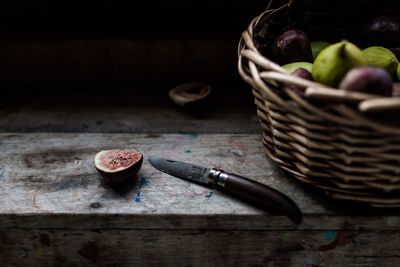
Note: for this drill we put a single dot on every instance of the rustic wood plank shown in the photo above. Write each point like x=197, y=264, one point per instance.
x=138, y=110
x=61, y=247
x=49, y=181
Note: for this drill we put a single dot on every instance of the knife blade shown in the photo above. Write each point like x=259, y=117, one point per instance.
x=245, y=188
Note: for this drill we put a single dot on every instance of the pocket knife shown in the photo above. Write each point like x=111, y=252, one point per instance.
x=248, y=190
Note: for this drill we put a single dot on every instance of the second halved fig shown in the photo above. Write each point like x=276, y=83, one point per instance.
x=190, y=94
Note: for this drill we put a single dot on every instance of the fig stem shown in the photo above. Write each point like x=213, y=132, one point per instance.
x=342, y=52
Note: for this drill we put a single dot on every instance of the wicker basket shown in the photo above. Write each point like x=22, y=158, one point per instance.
x=347, y=144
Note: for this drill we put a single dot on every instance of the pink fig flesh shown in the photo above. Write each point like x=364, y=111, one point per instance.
x=118, y=166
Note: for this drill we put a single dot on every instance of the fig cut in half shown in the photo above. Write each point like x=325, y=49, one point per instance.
x=118, y=166
x=190, y=94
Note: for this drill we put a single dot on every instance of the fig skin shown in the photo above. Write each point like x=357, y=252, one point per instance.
x=190, y=94
x=317, y=47
x=292, y=46
x=332, y=64
x=383, y=30
x=379, y=56
x=301, y=73
x=372, y=80
x=119, y=177
x=291, y=67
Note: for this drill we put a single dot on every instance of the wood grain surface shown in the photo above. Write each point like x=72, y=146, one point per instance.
x=55, y=210
x=98, y=247
x=52, y=174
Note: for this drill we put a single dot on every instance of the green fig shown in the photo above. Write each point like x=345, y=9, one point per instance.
x=379, y=56
x=332, y=63
x=317, y=47
x=291, y=67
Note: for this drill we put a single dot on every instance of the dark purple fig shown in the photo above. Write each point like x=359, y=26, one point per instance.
x=396, y=90
x=118, y=166
x=383, y=31
x=301, y=73
x=372, y=80
x=292, y=46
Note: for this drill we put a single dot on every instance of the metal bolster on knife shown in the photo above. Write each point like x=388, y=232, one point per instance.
x=218, y=177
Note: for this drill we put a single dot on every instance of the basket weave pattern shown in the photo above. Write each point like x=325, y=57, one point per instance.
x=336, y=147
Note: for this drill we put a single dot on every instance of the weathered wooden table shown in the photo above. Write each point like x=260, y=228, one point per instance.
x=55, y=211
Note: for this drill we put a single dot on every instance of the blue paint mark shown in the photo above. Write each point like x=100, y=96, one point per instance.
x=192, y=135
x=137, y=197
x=209, y=194
x=330, y=235
x=188, y=151
x=142, y=182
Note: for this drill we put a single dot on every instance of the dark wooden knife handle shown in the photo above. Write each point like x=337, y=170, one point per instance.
x=260, y=194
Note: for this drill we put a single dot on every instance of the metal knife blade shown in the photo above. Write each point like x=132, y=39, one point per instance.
x=242, y=187
x=182, y=169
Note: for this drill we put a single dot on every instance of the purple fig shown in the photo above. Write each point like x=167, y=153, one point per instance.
x=301, y=73
x=292, y=46
x=372, y=80
x=383, y=31
x=118, y=166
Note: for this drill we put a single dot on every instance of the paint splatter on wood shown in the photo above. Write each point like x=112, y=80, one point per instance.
x=209, y=194
x=192, y=135
x=343, y=237
x=142, y=182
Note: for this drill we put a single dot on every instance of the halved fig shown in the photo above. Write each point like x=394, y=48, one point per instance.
x=118, y=166
x=190, y=94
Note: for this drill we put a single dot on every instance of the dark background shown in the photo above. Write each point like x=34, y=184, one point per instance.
x=135, y=44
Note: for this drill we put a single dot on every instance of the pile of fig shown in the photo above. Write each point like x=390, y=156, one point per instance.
x=372, y=69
